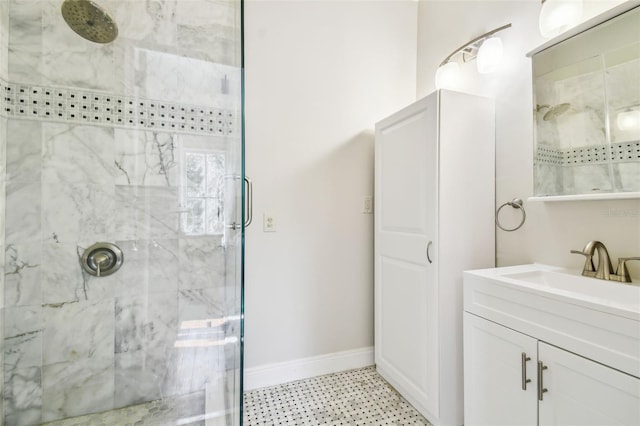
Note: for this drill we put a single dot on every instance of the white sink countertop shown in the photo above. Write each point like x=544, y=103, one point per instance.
x=596, y=318
x=564, y=284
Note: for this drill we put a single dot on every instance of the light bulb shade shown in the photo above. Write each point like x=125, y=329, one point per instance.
x=489, y=55
x=557, y=16
x=447, y=75
x=628, y=120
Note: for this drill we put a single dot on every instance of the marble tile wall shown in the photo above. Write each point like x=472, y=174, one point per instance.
x=587, y=170
x=73, y=343
x=4, y=71
x=131, y=337
x=580, y=149
x=4, y=39
x=3, y=143
x=171, y=40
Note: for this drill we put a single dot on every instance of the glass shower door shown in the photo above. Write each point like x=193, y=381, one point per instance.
x=120, y=123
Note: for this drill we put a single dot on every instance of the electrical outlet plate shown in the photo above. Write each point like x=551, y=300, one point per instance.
x=367, y=204
x=268, y=223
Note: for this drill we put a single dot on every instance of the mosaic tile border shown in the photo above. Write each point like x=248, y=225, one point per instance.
x=627, y=151
x=99, y=108
x=620, y=152
x=586, y=155
x=548, y=155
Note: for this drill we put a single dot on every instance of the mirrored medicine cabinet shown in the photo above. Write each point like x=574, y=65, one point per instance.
x=586, y=93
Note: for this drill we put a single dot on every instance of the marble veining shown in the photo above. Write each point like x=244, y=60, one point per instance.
x=95, y=136
x=25, y=42
x=78, y=213
x=146, y=212
x=78, y=371
x=4, y=43
x=22, y=337
x=144, y=375
x=161, y=412
x=65, y=281
x=24, y=159
x=23, y=396
x=23, y=212
x=74, y=388
x=202, y=262
x=78, y=330
x=77, y=154
x=145, y=322
x=151, y=266
x=146, y=158
x=22, y=274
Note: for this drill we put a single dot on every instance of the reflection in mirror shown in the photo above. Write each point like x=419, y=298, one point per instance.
x=587, y=111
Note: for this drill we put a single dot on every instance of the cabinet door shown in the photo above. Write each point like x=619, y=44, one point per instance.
x=582, y=392
x=406, y=297
x=493, y=375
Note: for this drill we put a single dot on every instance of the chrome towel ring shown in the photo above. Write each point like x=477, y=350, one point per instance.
x=516, y=203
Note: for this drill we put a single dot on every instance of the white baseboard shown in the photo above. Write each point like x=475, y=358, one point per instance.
x=303, y=368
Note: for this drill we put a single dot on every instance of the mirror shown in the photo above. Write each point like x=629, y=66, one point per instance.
x=587, y=111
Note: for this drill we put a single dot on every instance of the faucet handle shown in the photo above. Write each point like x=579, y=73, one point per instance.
x=588, y=263
x=622, y=270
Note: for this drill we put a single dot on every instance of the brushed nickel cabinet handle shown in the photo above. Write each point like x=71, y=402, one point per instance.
x=541, y=388
x=524, y=359
x=429, y=244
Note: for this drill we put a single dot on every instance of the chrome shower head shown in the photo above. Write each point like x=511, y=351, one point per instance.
x=89, y=20
x=556, y=111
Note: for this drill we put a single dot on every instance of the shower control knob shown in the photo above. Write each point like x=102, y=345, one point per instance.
x=102, y=259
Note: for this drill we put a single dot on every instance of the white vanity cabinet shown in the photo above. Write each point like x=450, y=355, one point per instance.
x=584, y=392
x=434, y=218
x=540, y=358
x=493, y=373
x=501, y=382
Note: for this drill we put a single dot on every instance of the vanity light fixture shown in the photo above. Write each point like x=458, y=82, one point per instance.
x=487, y=49
x=447, y=75
x=489, y=55
x=557, y=16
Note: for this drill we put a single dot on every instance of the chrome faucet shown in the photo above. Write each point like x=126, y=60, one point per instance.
x=604, y=270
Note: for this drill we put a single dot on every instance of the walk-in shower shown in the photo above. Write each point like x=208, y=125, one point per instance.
x=120, y=198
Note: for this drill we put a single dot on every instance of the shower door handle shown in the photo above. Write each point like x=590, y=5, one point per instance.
x=249, y=197
x=235, y=225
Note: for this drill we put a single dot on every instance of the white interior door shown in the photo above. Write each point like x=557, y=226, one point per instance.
x=583, y=392
x=406, y=253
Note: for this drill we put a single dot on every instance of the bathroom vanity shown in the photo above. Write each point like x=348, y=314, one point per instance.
x=543, y=345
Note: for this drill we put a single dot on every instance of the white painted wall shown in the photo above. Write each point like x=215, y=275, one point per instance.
x=319, y=74
x=552, y=229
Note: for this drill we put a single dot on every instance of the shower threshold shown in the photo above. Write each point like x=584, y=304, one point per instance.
x=179, y=410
